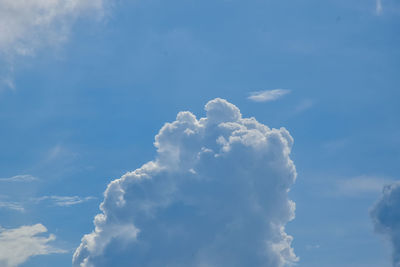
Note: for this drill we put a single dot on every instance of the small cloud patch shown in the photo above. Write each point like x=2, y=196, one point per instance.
x=17, y=245
x=267, y=95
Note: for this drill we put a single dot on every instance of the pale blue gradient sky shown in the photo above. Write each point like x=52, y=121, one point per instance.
x=86, y=111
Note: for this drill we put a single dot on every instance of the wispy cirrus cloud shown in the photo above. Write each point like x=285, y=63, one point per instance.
x=20, y=178
x=362, y=185
x=12, y=206
x=17, y=245
x=28, y=26
x=379, y=8
x=64, y=201
x=59, y=201
x=267, y=95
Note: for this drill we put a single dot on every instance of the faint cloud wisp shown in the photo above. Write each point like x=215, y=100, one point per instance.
x=267, y=95
x=20, y=178
x=362, y=185
x=379, y=8
x=11, y=206
x=64, y=201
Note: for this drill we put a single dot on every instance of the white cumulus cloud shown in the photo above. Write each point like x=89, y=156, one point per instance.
x=386, y=218
x=18, y=244
x=216, y=195
x=267, y=95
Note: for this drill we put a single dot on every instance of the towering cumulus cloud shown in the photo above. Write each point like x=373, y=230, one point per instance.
x=216, y=195
x=386, y=217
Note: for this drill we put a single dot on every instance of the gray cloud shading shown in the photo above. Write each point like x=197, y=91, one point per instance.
x=386, y=218
x=216, y=195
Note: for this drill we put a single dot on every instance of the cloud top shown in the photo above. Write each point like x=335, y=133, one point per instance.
x=268, y=95
x=216, y=195
x=386, y=218
x=18, y=244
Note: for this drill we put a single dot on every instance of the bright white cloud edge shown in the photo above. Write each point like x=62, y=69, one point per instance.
x=17, y=245
x=216, y=195
x=267, y=95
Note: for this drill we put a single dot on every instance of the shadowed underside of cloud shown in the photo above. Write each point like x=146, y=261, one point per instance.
x=216, y=195
x=386, y=218
x=17, y=245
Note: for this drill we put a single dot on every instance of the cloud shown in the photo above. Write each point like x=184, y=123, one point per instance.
x=364, y=184
x=60, y=201
x=18, y=244
x=385, y=215
x=11, y=206
x=27, y=25
x=64, y=201
x=304, y=105
x=216, y=195
x=378, y=7
x=20, y=178
x=267, y=95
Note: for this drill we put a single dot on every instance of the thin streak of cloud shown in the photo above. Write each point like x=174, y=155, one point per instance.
x=362, y=185
x=20, y=178
x=267, y=95
x=379, y=8
x=64, y=201
x=12, y=206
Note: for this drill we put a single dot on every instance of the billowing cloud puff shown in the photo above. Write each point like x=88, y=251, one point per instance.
x=216, y=195
x=386, y=218
x=18, y=244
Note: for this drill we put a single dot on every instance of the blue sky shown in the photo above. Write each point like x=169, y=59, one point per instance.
x=85, y=90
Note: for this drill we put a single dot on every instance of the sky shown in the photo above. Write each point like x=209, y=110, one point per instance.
x=199, y=133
